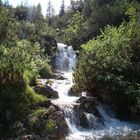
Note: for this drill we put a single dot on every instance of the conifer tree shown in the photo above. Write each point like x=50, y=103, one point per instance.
x=62, y=8
x=1, y=3
x=39, y=15
x=50, y=12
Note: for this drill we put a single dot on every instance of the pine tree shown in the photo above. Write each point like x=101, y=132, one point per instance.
x=77, y=5
x=62, y=8
x=39, y=15
x=6, y=3
x=1, y=3
x=50, y=12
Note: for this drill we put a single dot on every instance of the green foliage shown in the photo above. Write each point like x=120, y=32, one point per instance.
x=34, y=123
x=18, y=70
x=38, y=121
x=103, y=52
x=34, y=118
x=86, y=18
x=3, y=23
x=22, y=59
x=34, y=98
x=110, y=62
x=15, y=59
x=50, y=126
x=39, y=111
x=73, y=31
x=109, y=65
x=30, y=77
x=45, y=71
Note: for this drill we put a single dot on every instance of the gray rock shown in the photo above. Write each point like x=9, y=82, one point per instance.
x=46, y=91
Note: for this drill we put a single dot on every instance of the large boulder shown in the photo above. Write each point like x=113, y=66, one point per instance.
x=89, y=105
x=61, y=130
x=31, y=137
x=46, y=91
x=81, y=117
x=47, y=123
x=72, y=93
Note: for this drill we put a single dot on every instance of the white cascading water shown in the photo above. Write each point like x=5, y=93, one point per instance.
x=65, y=61
x=65, y=58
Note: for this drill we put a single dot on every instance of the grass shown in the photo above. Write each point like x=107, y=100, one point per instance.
x=34, y=97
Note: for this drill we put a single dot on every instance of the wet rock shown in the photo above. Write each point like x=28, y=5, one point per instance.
x=108, y=138
x=18, y=127
x=88, y=104
x=46, y=91
x=51, y=93
x=103, y=95
x=42, y=104
x=81, y=117
x=31, y=137
x=72, y=93
x=49, y=82
x=49, y=111
x=47, y=123
x=60, y=77
x=62, y=129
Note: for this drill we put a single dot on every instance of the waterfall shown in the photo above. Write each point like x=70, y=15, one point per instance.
x=98, y=123
x=65, y=58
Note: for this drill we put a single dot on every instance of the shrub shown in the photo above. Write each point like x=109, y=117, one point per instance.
x=45, y=71
x=50, y=126
x=34, y=98
x=18, y=70
x=30, y=77
x=109, y=66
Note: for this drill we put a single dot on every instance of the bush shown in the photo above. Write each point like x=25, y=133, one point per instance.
x=33, y=97
x=50, y=126
x=109, y=66
x=18, y=70
x=45, y=71
x=30, y=77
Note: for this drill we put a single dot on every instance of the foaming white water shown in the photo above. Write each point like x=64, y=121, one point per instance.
x=62, y=87
x=110, y=127
x=65, y=61
x=65, y=58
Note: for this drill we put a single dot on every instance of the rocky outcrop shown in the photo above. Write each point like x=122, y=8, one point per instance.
x=46, y=91
x=60, y=77
x=32, y=137
x=61, y=129
x=46, y=123
x=72, y=93
x=81, y=117
x=89, y=105
x=86, y=113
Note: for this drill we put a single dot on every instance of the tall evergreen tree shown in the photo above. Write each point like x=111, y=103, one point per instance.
x=39, y=15
x=6, y=3
x=1, y=3
x=77, y=5
x=50, y=12
x=62, y=8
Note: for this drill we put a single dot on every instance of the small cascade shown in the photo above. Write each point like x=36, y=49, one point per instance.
x=65, y=58
x=83, y=123
x=71, y=118
x=93, y=121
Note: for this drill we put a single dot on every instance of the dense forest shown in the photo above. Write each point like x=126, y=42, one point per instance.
x=106, y=36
